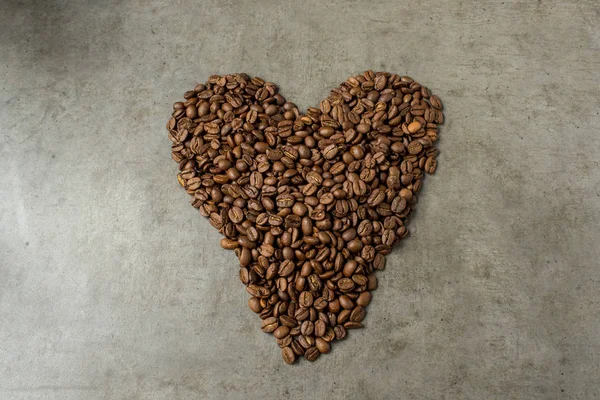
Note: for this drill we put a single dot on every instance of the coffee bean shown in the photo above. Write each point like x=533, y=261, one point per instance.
x=352, y=325
x=346, y=302
x=286, y=268
x=285, y=341
x=320, y=304
x=307, y=328
x=329, y=334
x=297, y=348
x=436, y=102
x=359, y=279
x=372, y=282
x=320, y=328
x=323, y=346
x=345, y=284
x=288, y=321
x=414, y=127
x=301, y=314
x=357, y=314
x=364, y=299
x=283, y=331
x=312, y=354
x=288, y=355
x=229, y=244
x=269, y=325
x=305, y=299
x=311, y=204
x=254, y=304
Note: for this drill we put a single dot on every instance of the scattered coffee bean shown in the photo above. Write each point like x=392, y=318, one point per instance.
x=311, y=203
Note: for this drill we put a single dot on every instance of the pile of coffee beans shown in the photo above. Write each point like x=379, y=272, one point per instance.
x=310, y=203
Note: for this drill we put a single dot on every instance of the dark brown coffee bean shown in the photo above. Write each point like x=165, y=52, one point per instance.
x=329, y=335
x=345, y=302
x=345, y=284
x=254, y=304
x=297, y=348
x=320, y=304
x=307, y=328
x=364, y=299
x=359, y=279
x=352, y=325
x=306, y=299
x=301, y=314
x=269, y=325
x=285, y=341
x=415, y=147
x=323, y=346
x=355, y=245
x=343, y=316
x=340, y=332
x=314, y=282
x=320, y=328
x=357, y=314
x=312, y=354
x=287, y=321
x=436, y=102
x=286, y=268
x=283, y=331
x=289, y=356
x=372, y=282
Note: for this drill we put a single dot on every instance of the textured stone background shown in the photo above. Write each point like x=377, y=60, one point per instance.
x=113, y=287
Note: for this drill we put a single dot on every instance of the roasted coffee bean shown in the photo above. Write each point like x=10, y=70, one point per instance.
x=352, y=325
x=357, y=314
x=320, y=304
x=329, y=334
x=269, y=325
x=287, y=321
x=345, y=284
x=340, y=332
x=229, y=244
x=289, y=356
x=254, y=304
x=311, y=204
x=320, y=328
x=307, y=328
x=305, y=299
x=297, y=348
x=312, y=354
x=364, y=299
x=282, y=331
x=322, y=345
x=301, y=314
x=345, y=302
x=285, y=341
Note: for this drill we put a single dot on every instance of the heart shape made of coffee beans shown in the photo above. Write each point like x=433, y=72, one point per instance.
x=311, y=203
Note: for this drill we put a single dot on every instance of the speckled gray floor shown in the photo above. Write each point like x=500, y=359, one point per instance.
x=113, y=287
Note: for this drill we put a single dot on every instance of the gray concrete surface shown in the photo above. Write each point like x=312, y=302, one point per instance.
x=113, y=287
